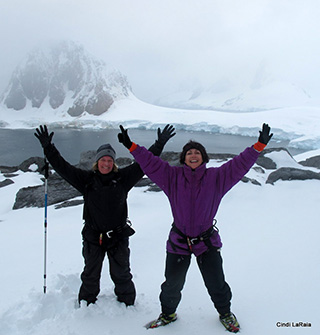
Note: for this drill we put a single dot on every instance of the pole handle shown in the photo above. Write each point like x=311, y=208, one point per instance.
x=45, y=168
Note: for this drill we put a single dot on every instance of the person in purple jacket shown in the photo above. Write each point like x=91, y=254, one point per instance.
x=195, y=192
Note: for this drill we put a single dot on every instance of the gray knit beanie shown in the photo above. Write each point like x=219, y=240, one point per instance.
x=105, y=150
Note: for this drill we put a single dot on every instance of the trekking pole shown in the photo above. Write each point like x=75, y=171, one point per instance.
x=46, y=175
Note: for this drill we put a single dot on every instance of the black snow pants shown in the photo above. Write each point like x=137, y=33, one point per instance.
x=210, y=265
x=119, y=268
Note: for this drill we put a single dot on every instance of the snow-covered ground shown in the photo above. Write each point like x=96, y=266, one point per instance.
x=271, y=259
x=270, y=233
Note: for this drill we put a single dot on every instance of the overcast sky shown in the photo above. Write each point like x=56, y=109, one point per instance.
x=162, y=45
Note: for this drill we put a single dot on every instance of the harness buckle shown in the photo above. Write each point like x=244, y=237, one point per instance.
x=193, y=240
x=108, y=233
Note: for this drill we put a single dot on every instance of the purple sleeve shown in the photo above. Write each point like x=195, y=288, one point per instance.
x=234, y=170
x=154, y=167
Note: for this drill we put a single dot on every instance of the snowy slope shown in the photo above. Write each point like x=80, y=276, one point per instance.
x=271, y=254
x=227, y=97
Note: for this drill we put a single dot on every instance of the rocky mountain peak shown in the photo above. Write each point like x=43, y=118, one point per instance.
x=64, y=75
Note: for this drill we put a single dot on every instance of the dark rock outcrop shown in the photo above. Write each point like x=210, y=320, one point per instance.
x=312, y=162
x=287, y=173
x=62, y=73
x=58, y=191
x=6, y=182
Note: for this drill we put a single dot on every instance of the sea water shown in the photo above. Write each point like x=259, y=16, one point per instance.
x=20, y=144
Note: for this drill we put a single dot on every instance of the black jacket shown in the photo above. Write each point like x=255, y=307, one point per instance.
x=105, y=196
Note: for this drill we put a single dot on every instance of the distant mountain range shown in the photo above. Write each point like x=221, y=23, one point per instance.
x=64, y=75
x=64, y=79
x=262, y=94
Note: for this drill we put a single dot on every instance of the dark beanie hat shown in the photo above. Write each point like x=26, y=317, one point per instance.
x=105, y=150
x=194, y=145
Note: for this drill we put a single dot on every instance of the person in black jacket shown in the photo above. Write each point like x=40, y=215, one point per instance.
x=106, y=227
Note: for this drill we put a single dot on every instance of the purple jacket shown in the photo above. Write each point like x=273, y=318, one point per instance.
x=194, y=195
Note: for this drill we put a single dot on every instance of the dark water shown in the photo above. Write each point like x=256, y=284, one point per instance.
x=21, y=144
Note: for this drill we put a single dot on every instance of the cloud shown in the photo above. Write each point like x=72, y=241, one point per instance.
x=161, y=45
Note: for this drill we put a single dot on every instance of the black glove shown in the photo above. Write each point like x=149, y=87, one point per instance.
x=124, y=138
x=165, y=135
x=265, y=135
x=43, y=136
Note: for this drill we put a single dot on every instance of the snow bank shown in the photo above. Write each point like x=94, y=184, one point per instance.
x=271, y=249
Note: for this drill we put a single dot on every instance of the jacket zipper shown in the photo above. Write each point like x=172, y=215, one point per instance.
x=192, y=205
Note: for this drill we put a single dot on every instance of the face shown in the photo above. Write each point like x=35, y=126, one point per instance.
x=193, y=158
x=105, y=165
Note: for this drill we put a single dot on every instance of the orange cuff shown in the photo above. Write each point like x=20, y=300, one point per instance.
x=133, y=147
x=259, y=146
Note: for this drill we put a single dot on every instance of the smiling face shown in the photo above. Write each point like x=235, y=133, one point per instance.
x=105, y=165
x=193, y=158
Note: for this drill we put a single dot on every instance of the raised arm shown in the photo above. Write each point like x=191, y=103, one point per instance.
x=74, y=176
x=234, y=170
x=134, y=173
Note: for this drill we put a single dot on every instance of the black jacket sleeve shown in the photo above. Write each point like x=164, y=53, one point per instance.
x=76, y=177
x=133, y=173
